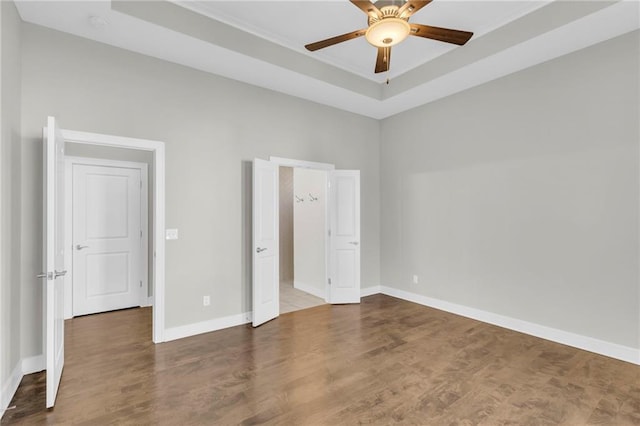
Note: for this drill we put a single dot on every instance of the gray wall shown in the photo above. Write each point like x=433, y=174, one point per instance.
x=520, y=197
x=213, y=128
x=10, y=194
x=286, y=224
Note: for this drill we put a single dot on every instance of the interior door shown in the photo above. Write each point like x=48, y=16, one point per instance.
x=266, y=295
x=53, y=256
x=344, y=241
x=107, y=238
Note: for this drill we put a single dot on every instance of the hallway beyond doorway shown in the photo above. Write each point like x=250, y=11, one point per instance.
x=292, y=299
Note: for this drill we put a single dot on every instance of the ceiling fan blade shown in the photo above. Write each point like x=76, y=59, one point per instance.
x=334, y=40
x=383, y=61
x=367, y=7
x=441, y=34
x=411, y=7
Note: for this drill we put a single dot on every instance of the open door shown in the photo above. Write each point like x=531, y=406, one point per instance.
x=53, y=256
x=266, y=274
x=344, y=240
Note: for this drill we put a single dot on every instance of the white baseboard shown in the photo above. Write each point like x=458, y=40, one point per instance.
x=307, y=288
x=33, y=364
x=613, y=350
x=9, y=388
x=175, y=333
x=369, y=291
x=146, y=302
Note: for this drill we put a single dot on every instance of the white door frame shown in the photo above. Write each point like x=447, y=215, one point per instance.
x=300, y=164
x=158, y=209
x=70, y=161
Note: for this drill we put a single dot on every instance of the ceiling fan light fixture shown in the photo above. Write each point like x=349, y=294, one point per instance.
x=388, y=25
x=387, y=32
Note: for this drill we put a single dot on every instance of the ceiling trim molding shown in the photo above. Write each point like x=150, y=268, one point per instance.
x=608, y=23
x=184, y=21
x=169, y=32
x=244, y=26
x=589, y=23
x=552, y=16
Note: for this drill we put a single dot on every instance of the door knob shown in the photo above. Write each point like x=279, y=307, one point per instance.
x=355, y=243
x=44, y=275
x=79, y=247
x=57, y=274
x=260, y=250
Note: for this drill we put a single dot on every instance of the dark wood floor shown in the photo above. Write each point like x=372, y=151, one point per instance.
x=385, y=361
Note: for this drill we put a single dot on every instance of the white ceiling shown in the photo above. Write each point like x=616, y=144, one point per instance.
x=294, y=24
x=262, y=42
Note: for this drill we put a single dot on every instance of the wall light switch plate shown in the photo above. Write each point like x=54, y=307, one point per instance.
x=171, y=234
x=415, y=279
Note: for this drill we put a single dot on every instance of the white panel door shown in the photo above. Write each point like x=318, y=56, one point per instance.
x=107, y=238
x=266, y=290
x=53, y=256
x=344, y=224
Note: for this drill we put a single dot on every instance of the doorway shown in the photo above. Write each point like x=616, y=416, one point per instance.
x=84, y=144
x=302, y=199
x=107, y=230
x=341, y=235
x=56, y=252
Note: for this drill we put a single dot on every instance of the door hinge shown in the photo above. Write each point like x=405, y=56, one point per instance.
x=329, y=281
x=47, y=275
x=329, y=232
x=140, y=184
x=141, y=233
x=140, y=283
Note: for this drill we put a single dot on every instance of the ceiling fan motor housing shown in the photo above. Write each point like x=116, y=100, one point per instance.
x=390, y=11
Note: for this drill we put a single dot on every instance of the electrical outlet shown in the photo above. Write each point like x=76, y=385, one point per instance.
x=206, y=301
x=171, y=234
x=415, y=279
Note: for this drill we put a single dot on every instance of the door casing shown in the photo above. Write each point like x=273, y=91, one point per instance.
x=158, y=211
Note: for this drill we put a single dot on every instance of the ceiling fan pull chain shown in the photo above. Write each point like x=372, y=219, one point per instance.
x=387, y=51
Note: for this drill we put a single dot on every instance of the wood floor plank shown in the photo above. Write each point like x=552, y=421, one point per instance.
x=385, y=361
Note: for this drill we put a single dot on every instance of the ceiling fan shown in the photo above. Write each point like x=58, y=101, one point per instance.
x=388, y=25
